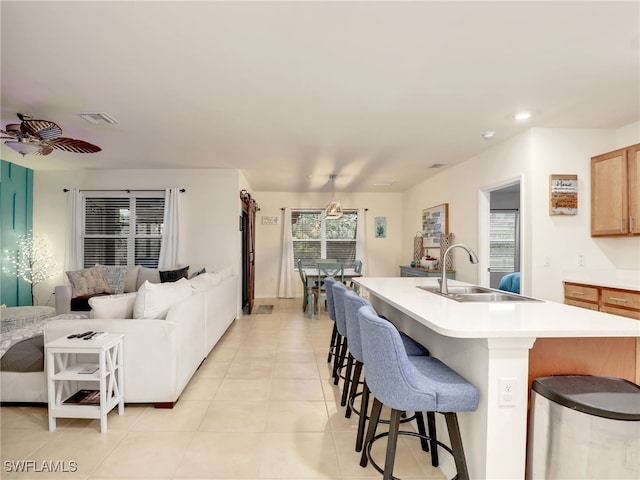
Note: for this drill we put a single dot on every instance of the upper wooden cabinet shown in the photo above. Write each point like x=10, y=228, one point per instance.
x=615, y=196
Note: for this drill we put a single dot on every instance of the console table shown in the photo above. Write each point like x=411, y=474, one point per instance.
x=406, y=271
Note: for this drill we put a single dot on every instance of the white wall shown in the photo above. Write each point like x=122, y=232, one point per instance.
x=533, y=155
x=210, y=209
x=382, y=257
x=458, y=186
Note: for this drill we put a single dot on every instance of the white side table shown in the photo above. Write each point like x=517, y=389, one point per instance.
x=74, y=363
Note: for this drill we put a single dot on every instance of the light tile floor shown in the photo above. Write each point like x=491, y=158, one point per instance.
x=261, y=406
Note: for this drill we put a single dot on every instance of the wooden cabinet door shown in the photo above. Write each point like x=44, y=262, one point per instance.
x=633, y=160
x=609, y=214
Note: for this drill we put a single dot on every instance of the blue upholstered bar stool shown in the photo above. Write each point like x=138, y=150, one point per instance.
x=405, y=383
x=353, y=303
x=339, y=290
x=336, y=338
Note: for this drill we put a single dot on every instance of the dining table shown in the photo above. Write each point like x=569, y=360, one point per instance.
x=312, y=274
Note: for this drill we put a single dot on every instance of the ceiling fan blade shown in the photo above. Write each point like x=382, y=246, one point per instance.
x=73, y=145
x=43, y=129
x=44, y=150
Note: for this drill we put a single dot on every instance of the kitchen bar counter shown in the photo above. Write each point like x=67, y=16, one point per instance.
x=486, y=342
x=623, y=279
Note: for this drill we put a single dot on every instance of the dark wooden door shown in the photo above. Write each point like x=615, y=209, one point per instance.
x=248, y=222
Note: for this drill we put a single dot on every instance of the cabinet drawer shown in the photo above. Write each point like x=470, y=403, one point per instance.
x=621, y=298
x=581, y=292
x=581, y=304
x=621, y=311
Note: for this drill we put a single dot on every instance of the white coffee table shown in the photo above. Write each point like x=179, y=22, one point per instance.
x=85, y=369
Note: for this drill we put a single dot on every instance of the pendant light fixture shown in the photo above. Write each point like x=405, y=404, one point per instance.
x=334, y=209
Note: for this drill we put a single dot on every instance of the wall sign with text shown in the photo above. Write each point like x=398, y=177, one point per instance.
x=563, y=194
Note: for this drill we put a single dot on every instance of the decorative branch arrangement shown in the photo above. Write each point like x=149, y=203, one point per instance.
x=31, y=261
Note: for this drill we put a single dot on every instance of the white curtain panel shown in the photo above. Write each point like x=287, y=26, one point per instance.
x=361, y=240
x=171, y=231
x=73, y=253
x=286, y=287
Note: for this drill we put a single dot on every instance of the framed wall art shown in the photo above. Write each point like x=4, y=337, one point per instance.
x=435, y=222
x=563, y=194
x=381, y=227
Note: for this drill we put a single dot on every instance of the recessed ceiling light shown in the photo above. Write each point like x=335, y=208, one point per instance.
x=488, y=135
x=98, y=118
x=522, y=115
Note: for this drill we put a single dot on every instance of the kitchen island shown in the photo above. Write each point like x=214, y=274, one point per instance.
x=487, y=342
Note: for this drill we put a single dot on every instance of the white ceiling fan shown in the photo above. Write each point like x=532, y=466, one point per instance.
x=41, y=137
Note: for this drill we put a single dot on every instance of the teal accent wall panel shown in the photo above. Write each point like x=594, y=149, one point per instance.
x=16, y=218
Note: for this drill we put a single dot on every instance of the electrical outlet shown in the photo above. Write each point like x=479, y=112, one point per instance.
x=581, y=260
x=508, y=393
x=547, y=261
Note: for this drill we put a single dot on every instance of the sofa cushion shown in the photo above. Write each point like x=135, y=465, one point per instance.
x=224, y=271
x=116, y=276
x=154, y=299
x=204, y=281
x=113, y=306
x=151, y=275
x=174, y=275
x=131, y=281
x=88, y=281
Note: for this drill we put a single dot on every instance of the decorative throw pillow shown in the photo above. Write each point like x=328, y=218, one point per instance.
x=174, y=275
x=113, y=306
x=147, y=274
x=116, y=276
x=154, y=299
x=88, y=281
x=130, y=284
x=198, y=272
x=204, y=281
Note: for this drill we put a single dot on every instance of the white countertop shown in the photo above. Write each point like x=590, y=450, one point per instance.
x=623, y=279
x=494, y=320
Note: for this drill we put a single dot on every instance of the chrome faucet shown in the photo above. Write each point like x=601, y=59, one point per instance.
x=473, y=258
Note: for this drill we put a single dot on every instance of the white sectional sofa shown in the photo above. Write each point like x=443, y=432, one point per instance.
x=160, y=354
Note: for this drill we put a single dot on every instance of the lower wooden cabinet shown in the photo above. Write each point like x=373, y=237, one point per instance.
x=616, y=357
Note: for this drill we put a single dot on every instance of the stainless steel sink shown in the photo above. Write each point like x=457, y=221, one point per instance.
x=475, y=293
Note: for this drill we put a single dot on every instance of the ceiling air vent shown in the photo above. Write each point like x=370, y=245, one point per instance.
x=437, y=165
x=98, y=118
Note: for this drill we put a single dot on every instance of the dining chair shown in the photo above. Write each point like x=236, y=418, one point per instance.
x=309, y=290
x=357, y=267
x=328, y=269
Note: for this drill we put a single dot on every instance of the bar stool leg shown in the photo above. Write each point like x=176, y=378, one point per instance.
x=364, y=411
x=392, y=443
x=347, y=380
x=431, y=421
x=340, y=361
x=371, y=431
x=332, y=344
x=354, y=388
x=456, y=446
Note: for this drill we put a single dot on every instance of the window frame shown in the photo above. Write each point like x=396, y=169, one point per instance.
x=323, y=240
x=133, y=235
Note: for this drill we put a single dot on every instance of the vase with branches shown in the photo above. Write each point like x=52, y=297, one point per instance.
x=30, y=261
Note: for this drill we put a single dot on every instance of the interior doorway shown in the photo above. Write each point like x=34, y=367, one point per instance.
x=500, y=238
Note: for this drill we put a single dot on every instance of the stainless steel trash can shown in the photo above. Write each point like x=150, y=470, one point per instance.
x=584, y=427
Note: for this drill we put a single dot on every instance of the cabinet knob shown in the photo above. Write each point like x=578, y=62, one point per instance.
x=632, y=224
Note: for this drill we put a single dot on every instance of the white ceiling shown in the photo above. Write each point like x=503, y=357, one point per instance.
x=290, y=92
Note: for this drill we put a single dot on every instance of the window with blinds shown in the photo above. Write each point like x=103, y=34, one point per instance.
x=122, y=230
x=503, y=241
x=315, y=237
